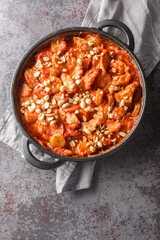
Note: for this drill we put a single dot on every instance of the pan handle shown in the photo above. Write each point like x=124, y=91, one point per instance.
x=34, y=161
x=117, y=24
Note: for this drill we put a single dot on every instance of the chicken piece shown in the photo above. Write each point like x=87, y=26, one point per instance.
x=120, y=66
x=30, y=117
x=39, y=92
x=78, y=71
x=79, y=42
x=104, y=61
x=68, y=83
x=113, y=126
x=83, y=149
x=82, y=44
x=99, y=97
x=89, y=77
x=90, y=125
x=70, y=132
x=103, y=81
x=119, y=112
x=122, y=80
x=54, y=129
x=72, y=120
x=111, y=100
x=100, y=118
x=70, y=61
x=63, y=151
x=96, y=62
x=55, y=84
x=136, y=109
x=29, y=76
x=25, y=90
x=86, y=63
x=94, y=39
x=59, y=96
x=55, y=71
x=45, y=73
x=72, y=108
x=58, y=46
x=42, y=128
x=127, y=122
x=83, y=116
x=44, y=56
x=57, y=141
x=102, y=114
x=127, y=93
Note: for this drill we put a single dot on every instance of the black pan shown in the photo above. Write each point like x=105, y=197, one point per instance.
x=27, y=138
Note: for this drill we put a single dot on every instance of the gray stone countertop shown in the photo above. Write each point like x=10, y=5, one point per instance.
x=124, y=200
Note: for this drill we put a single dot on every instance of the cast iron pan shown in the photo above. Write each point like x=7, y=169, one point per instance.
x=27, y=139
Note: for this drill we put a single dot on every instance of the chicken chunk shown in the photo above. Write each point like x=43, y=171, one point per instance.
x=113, y=126
x=29, y=76
x=68, y=82
x=127, y=93
x=122, y=80
x=89, y=77
x=72, y=120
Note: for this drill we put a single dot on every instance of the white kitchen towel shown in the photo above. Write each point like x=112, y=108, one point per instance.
x=143, y=18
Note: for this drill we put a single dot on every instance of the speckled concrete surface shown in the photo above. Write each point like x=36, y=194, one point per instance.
x=124, y=201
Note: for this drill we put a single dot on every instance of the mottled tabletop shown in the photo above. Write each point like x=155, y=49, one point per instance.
x=124, y=200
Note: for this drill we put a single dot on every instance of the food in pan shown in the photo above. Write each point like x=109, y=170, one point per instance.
x=80, y=96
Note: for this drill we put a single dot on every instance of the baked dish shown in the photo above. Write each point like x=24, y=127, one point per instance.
x=80, y=96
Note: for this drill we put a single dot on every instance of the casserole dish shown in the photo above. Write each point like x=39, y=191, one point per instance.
x=28, y=139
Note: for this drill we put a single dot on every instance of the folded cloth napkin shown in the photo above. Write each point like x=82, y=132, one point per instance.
x=143, y=18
